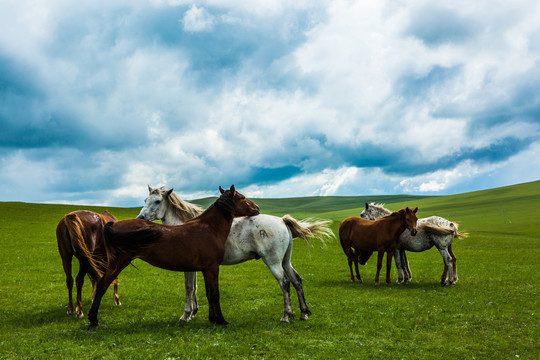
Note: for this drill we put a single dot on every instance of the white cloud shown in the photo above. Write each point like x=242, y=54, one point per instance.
x=198, y=19
x=325, y=88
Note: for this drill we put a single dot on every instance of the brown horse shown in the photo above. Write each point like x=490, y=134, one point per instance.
x=381, y=235
x=80, y=233
x=197, y=245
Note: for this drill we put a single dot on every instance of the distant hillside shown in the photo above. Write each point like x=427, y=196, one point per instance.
x=318, y=204
x=512, y=209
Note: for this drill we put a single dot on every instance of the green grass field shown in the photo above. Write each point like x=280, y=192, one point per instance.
x=491, y=313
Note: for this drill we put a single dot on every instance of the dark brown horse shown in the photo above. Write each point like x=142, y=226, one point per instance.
x=197, y=245
x=367, y=236
x=80, y=233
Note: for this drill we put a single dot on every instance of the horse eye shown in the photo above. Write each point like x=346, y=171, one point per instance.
x=157, y=201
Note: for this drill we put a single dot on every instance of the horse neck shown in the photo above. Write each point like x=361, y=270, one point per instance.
x=219, y=214
x=171, y=218
x=397, y=225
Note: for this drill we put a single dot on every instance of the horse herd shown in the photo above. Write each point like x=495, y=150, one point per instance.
x=229, y=232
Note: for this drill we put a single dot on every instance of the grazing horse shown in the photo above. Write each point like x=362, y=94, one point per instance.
x=381, y=235
x=197, y=245
x=432, y=231
x=80, y=233
x=262, y=236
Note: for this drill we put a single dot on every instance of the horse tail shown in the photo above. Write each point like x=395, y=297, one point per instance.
x=436, y=229
x=457, y=234
x=76, y=233
x=309, y=228
x=452, y=229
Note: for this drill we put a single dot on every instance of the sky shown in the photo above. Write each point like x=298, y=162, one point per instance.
x=99, y=99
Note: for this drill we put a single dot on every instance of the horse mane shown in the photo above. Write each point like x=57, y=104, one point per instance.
x=182, y=209
x=224, y=203
x=129, y=240
x=380, y=209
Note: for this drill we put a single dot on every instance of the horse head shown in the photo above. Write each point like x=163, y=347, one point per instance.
x=374, y=211
x=154, y=205
x=242, y=206
x=410, y=218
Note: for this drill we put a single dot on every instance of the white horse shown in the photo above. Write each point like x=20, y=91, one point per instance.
x=262, y=236
x=432, y=231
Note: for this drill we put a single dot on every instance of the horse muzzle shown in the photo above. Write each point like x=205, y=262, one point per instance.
x=413, y=232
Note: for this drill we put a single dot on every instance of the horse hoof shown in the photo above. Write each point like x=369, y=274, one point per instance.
x=284, y=320
x=221, y=321
x=185, y=318
x=93, y=327
x=80, y=316
x=304, y=317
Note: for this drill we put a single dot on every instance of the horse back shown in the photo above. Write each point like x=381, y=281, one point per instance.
x=91, y=230
x=188, y=247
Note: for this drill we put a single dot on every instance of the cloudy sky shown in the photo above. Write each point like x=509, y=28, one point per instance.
x=281, y=98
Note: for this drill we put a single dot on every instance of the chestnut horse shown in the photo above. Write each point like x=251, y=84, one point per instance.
x=80, y=233
x=381, y=235
x=197, y=245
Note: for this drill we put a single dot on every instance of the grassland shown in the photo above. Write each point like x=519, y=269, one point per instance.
x=491, y=313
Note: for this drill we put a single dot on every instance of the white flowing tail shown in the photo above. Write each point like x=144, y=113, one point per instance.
x=309, y=228
x=441, y=230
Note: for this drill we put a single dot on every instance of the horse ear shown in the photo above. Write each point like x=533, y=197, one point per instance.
x=415, y=210
x=149, y=189
x=232, y=190
x=367, y=206
x=169, y=192
x=221, y=190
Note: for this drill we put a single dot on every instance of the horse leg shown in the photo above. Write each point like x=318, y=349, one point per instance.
x=448, y=271
x=297, y=283
x=277, y=270
x=389, y=256
x=406, y=269
x=454, y=261
x=356, y=256
x=79, y=281
x=379, y=265
x=211, y=283
x=191, y=307
x=350, y=257
x=112, y=272
x=66, y=263
x=296, y=280
x=116, y=297
x=346, y=245
x=399, y=266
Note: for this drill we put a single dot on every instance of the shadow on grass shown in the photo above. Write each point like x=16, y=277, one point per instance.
x=370, y=285
x=22, y=318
